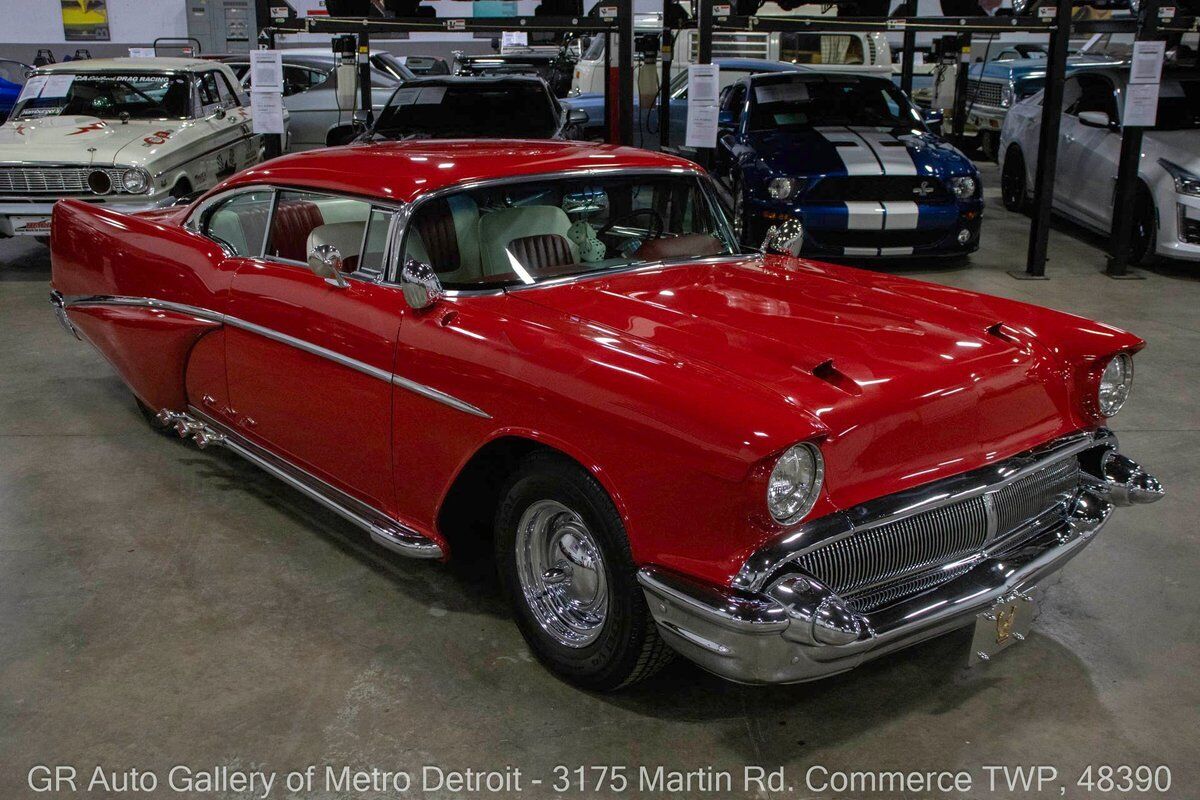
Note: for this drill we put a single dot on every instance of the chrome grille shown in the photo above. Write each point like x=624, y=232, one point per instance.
x=890, y=551
x=983, y=93
x=898, y=559
x=51, y=180
x=1034, y=495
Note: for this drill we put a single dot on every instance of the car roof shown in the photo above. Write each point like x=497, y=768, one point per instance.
x=812, y=76
x=470, y=80
x=760, y=65
x=131, y=65
x=404, y=171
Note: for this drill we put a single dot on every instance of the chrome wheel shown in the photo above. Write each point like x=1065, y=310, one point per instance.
x=562, y=573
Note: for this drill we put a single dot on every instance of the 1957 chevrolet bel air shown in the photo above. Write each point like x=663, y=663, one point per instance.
x=776, y=467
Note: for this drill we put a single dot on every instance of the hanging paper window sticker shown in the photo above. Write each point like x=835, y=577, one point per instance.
x=781, y=93
x=32, y=88
x=58, y=85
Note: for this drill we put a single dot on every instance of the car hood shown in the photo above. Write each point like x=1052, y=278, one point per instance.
x=1179, y=147
x=83, y=140
x=906, y=390
x=820, y=152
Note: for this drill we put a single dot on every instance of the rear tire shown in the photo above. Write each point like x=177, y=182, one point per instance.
x=1144, y=237
x=566, y=568
x=1012, y=182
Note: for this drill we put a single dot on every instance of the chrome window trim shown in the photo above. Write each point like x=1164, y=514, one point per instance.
x=761, y=565
x=209, y=315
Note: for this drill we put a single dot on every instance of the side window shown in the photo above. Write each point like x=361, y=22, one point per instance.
x=1097, y=95
x=229, y=98
x=375, y=243
x=1072, y=94
x=299, y=79
x=303, y=221
x=210, y=94
x=735, y=101
x=240, y=223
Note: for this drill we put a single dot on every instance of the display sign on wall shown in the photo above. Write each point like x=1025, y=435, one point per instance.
x=85, y=20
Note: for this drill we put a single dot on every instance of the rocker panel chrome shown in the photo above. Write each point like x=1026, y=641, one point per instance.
x=383, y=530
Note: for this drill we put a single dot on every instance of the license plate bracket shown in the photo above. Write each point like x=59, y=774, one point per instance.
x=1006, y=623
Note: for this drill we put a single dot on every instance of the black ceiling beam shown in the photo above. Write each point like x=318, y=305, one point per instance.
x=383, y=25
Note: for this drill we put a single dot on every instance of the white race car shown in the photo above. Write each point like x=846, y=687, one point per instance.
x=133, y=133
x=1167, y=203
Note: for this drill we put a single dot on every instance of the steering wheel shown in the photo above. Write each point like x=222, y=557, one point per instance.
x=653, y=231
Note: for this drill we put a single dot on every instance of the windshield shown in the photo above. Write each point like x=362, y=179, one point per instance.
x=802, y=105
x=524, y=233
x=469, y=110
x=394, y=67
x=1178, y=106
x=107, y=96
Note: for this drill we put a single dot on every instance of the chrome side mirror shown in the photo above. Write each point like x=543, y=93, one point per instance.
x=420, y=284
x=326, y=260
x=785, y=239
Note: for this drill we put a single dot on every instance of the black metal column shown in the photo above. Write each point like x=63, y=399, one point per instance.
x=1125, y=193
x=960, y=88
x=667, y=54
x=906, y=59
x=609, y=101
x=1047, y=157
x=704, y=32
x=364, y=77
x=625, y=71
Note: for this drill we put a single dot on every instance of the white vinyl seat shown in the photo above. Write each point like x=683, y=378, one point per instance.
x=444, y=234
x=345, y=236
x=534, y=236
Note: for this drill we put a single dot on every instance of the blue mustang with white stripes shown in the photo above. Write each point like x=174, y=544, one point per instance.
x=850, y=157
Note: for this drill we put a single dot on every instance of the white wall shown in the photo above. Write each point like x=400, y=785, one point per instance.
x=39, y=22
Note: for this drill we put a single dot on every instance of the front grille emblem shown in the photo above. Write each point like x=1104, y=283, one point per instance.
x=923, y=191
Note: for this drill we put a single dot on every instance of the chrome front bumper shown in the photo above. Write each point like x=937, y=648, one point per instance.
x=796, y=629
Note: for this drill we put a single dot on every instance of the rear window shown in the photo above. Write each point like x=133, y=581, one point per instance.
x=476, y=110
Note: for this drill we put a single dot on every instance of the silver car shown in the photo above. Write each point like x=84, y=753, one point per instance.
x=310, y=95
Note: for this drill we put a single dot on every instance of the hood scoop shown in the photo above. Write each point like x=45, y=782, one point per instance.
x=839, y=380
x=1001, y=332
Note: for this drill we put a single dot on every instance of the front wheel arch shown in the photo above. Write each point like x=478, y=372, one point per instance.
x=467, y=511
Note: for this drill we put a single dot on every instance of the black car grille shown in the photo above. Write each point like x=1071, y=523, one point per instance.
x=1190, y=228
x=880, y=565
x=877, y=187
x=919, y=237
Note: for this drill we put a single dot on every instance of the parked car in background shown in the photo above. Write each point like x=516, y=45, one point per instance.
x=554, y=353
x=455, y=107
x=852, y=159
x=551, y=65
x=866, y=52
x=994, y=86
x=1167, y=203
x=126, y=133
x=310, y=96
x=645, y=129
x=425, y=65
x=12, y=78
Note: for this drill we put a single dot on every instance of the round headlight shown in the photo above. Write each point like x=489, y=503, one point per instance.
x=1115, y=383
x=795, y=483
x=964, y=187
x=135, y=181
x=781, y=188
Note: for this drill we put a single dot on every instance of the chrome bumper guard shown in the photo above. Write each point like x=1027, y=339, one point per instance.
x=796, y=629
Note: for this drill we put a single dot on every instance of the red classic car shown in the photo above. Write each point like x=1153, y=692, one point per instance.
x=778, y=468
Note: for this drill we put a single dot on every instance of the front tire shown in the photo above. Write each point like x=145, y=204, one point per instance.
x=566, y=568
x=1144, y=236
x=1012, y=182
